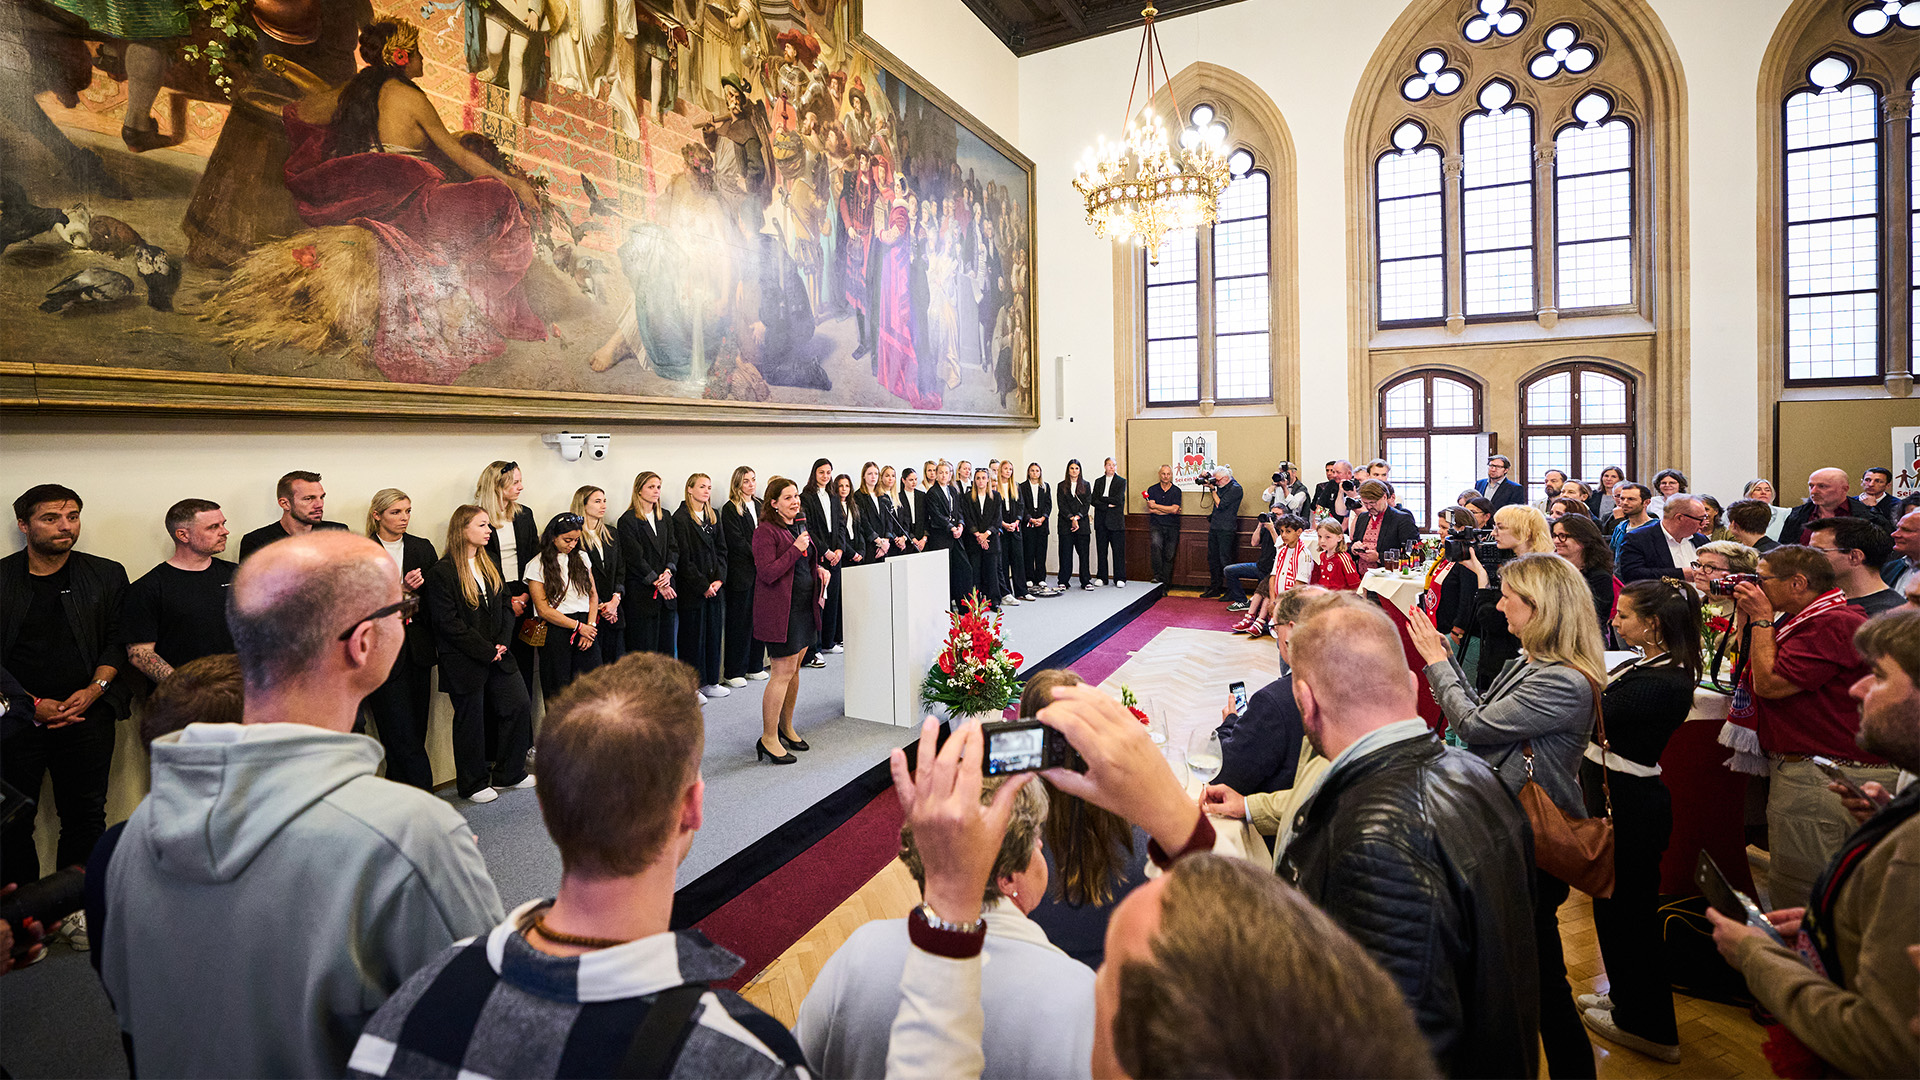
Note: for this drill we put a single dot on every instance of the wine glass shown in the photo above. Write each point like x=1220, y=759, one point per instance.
x=1203, y=756
x=1156, y=721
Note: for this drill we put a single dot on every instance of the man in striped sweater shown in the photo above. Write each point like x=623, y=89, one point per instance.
x=593, y=983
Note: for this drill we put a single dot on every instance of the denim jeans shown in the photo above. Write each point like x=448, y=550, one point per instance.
x=1232, y=575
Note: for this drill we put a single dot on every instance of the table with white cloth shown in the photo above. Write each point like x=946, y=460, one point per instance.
x=1230, y=836
x=1401, y=590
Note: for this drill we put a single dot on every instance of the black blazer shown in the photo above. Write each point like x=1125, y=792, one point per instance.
x=465, y=636
x=416, y=553
x=1397, y=531
x=911, y=513
x=737, y=528
x=526, y=542
x=647, y=547
x=1507, y=494
x=1644, y=553
x=609, y=569
x=981, y=518
x=1075, y=503
x=92, y=603
x=1036, y=502
x=869, y=522
x=938, y=516
x=1110, y=501
x=703, y=554
x=1260, y=750
x=829, y=530
x=1009, y=509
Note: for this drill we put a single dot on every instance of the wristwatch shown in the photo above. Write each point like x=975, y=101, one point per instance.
x=1761, y=622
x=103, y=684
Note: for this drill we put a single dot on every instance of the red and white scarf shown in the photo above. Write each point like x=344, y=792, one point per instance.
x=1289, y=567
x=1741, y=732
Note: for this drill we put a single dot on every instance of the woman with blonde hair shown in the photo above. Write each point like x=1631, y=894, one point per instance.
x=472, y=624
x=515, y=541
x=1517, y=530
x=874, y=513
x=600, y=544
x=648, y=552
x=401, y=705
x=1533, y=722
x=743, y=657
x=698, y=577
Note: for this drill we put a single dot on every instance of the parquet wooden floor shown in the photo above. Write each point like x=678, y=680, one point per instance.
x=1186, y=672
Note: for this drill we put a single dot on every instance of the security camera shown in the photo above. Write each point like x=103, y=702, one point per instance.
x=569, y=445
x=597, y=446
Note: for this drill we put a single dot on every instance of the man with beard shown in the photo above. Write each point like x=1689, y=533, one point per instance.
x=1852, y=1005
x=303, y=508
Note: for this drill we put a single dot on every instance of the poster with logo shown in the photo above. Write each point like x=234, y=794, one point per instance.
x=1194, y=453
x=1905, y=462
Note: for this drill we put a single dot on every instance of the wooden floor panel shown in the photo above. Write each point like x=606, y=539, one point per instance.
x=1185, y=672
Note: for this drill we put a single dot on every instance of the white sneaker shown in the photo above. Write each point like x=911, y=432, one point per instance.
x=1601, y=1021
x=757, y=676
x=74, y=929
x=484, y=795
x=736, y=682
x=838, y=649
x=1119, y=584
x=715, y=691
x=1009, y=601
x=1594, y=1001
x=525, y=782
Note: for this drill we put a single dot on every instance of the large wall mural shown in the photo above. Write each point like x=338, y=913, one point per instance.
x=717, y=210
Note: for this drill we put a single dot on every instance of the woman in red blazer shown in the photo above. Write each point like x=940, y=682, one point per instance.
x=789, y=588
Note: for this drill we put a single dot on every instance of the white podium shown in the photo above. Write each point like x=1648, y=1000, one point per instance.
x=895, y=614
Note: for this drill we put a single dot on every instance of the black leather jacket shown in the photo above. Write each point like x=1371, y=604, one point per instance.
x=1419, y=852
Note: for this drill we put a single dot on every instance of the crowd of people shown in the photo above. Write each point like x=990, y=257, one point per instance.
x=1406, y=903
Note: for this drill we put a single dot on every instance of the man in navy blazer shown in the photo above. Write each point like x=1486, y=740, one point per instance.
x=1496, y=487
x=1665, y=548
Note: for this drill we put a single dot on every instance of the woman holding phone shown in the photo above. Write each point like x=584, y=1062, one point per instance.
x=790, y=587
x=515, y=539
x=875, y=513
x=401, y=705
x=648, y=553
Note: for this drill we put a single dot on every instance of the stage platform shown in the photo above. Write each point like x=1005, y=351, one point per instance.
x=758, y=816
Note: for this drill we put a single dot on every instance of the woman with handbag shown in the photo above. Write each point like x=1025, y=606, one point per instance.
x=1532, y=724
x=789, y=591
x=472, y=624
x=1645, y=702
x=649, y=553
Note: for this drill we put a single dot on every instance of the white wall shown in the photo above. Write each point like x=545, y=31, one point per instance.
x=952, y=49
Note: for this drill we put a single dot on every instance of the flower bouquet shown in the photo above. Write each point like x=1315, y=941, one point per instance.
x=975, y=672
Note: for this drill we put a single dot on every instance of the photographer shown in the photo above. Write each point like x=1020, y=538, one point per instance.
x=1223, y=525
x=1286, y=495
x=1382, y=527
x=1339, y=495
x=1517, y=530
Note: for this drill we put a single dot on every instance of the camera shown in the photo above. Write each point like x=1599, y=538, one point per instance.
x=1017, y=746
x=1725, y=584
x=1284, y=475
x=1464, y=542
x=1205, y=480
x=46, y=901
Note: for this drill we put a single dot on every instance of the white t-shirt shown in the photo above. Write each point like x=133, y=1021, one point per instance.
x=479, y=579
x=577, y=599
x=397, y=551
x=509, y=551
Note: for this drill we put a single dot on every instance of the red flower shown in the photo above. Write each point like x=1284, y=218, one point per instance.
x=308, y=256
x=1015, y=659
x=946, y=663
x=402, y=57
x=1720, y=625
x=1142, y=716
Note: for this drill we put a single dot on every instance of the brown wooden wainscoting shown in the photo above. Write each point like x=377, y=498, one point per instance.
x=1190, y=561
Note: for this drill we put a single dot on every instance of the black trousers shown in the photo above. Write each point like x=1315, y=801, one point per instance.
x=743, y=655
x=959, y=572
x=1107, y=540
x=500, y=705
x=1628, y=922
x=79, y=757
x=527, y=659
x=1569, y=1054
x=1221, y=545
x=651, y=631
x=1013, y=563
x=561, y=661
x=399, y=709
x=986, y=569
x=1074, y=543
x=1163, y=542
x=702, y=626
x=1033, y=544
x=613, y=636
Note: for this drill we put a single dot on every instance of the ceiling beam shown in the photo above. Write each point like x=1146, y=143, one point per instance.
x=1070, y=11
x=1027, y=37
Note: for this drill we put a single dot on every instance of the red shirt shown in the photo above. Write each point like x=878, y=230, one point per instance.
x=1818, y=657
x=1337, y=571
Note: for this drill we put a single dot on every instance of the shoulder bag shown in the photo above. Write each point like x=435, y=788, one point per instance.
x=1578, y=851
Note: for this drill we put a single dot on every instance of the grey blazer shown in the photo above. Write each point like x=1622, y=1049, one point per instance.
x=1550, y=704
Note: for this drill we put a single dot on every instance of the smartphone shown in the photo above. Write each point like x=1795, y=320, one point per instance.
x=1239, y=692
x=1728, y=900
x=1017, y=746
x=1839, y=776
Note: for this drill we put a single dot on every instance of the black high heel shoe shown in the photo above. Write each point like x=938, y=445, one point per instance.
x=760, y=751
x=794, y=743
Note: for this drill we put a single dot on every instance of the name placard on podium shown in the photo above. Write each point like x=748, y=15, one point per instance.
x=895, y=613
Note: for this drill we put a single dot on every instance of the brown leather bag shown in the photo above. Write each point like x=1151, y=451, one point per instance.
x=1578, y=851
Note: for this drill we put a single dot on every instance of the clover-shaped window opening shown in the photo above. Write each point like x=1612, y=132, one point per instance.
x=1432, y=76
x=1495, y=17
x=1564, y=52
x=1877, y=17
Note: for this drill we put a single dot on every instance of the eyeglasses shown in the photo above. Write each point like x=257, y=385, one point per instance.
x=1692, y=517
x=406, y=607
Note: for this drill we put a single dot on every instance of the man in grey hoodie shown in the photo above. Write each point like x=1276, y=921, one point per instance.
x=271, y=892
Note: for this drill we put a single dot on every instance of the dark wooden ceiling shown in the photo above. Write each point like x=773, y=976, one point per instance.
x=1028, y=26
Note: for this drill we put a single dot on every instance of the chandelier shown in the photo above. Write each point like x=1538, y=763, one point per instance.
x=1142, y=188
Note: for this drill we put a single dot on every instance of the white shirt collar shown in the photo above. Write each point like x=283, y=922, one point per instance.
x=1004, y=920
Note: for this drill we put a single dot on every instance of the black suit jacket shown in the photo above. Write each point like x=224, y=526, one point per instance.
x=939, y=515
x=829, y=530
x=464, y=635
x=1798, y=518
x=703, y=554
x=910, y=511
x=1644, y=553
x=738, y=527
x=1507, y=494
x=1397, y=531
x=526, y=543
x=609, y=570
x=981, y=518
x=92, y=603
x=1110, y=501
x=416, y=553
x=647, y=547
x=1075, y=503
x=1260, y=749
x=1036, y=501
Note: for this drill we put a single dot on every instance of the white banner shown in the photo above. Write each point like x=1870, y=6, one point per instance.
x=1194, y=453
x=1906, y=461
